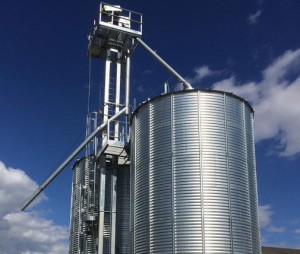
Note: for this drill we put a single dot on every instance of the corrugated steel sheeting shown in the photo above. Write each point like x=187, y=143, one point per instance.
x=82, y=239
x=193, y=184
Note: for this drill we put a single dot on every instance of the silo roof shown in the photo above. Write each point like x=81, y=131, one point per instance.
x=191, y=91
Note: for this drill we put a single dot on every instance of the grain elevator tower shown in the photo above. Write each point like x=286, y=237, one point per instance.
x=100, y=190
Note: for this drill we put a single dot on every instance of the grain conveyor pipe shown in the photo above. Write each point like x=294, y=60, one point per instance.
x=68, y=160
x=186, y=85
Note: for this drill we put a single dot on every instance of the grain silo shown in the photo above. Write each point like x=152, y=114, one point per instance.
x=193, y=175
x=85, y=207
x=192, y=185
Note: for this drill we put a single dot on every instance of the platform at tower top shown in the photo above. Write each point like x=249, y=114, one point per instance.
x=115, y=28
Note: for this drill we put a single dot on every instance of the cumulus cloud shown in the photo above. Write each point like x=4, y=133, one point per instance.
x=248, y=90
x=15, y=186
x=265, y=220
x=265, y=214
x=202, y=72
x=253, y=18
x=25, y=233
x=276, y=101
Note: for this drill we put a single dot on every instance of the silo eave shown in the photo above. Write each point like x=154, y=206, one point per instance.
x=191, y=91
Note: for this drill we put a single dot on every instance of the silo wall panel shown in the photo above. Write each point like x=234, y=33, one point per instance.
x=132, y=185
x=83, y=198
x=239, y=186
x=78, y=182
x=252, y=182
x=193, y=175
x=214, y=167
x=160, y=171
x=141, y=183
x=123, y=210
x=187, y=176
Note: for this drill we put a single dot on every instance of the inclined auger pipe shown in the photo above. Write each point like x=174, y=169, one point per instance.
x=186, y=84
x=68, y=160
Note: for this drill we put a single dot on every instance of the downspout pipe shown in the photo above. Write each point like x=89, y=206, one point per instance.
x=186, y=85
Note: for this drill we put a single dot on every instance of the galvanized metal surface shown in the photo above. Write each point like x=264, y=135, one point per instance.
x=120, y=190
x=87, y=207
x=140, y=184
x=123, y=210
x=84, y=208
x=76, y=204
x=193, y=175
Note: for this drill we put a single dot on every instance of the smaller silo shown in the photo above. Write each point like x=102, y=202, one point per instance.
x=85, y=206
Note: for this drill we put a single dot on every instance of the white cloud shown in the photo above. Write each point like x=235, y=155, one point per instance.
x=265, y=220
x=202, y=72
x=248, y=90
x=273, y=229
x=297, y=231
x=15, y=186
x=32, y=233
x=276, y=101
x=26, y=233
x=253, y=18
x=265, y=215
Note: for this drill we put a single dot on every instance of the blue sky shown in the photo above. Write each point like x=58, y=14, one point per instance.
x=251, y=48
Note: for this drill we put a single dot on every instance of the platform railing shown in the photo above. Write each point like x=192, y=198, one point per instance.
x=118, y=17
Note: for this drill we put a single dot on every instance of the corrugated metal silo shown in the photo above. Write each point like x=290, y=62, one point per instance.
x=85, y=207
x=78, y=203
x=193, y=176
x=123, y=209
x=78, y=182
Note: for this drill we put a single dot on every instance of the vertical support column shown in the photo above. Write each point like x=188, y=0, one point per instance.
x=106, y=93
x=127, y=83
x=113, y=205
x=101, y=204
x=95, y=140
x=117, y=97
x=127, y=80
